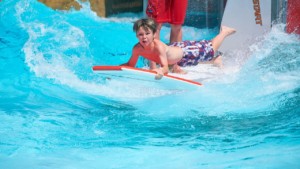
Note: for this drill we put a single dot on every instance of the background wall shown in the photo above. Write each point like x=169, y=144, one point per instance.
x=202, y=13
x=205, y=13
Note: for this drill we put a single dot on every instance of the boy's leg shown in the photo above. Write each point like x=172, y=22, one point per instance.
x=217, y=41
x=218, y=61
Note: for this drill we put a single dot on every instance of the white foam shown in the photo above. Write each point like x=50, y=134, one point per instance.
x=47, y=57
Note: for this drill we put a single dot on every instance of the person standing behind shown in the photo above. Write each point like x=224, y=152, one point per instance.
x=168, y=11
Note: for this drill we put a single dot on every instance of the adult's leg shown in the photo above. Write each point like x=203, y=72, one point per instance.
x=177, y=14
x=157, y=35
x=176, y=33
x=217, y=41
x=160, y=12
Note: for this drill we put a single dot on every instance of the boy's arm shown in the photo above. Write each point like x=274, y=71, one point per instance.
x=163, y=60
x=164, y=69
x=133, y=59
x=152, y=64
x=161, y=71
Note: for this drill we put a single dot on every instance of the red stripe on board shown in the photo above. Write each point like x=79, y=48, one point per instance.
x=293, y=17
x=186, y=80
x=99, y=68
x=174, y=77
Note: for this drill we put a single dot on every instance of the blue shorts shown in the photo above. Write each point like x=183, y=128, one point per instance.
x=195, y=52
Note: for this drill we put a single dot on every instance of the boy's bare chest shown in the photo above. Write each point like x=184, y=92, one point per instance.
x=151, y=55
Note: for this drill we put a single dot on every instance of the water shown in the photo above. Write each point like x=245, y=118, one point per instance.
x=56, y=113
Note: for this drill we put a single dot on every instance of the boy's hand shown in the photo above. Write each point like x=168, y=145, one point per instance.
x=159, y=74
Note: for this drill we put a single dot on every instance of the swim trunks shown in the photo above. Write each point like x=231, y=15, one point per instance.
x=167, y=11
x=195, y=52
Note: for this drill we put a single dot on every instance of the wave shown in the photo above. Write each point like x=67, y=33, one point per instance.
x=62, y=49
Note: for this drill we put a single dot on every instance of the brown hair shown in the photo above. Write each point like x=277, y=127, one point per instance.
x=146, y=23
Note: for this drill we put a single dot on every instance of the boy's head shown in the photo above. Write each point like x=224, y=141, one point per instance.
x=146, y=24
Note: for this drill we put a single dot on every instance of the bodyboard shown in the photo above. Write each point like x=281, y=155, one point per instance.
x=140, y=76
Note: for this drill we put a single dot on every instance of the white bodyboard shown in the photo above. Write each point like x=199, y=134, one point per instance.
x=145, y=77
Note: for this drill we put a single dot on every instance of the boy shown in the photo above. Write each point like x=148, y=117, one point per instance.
x=186, y=53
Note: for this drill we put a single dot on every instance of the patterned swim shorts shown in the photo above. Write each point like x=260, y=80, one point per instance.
x=195, y=52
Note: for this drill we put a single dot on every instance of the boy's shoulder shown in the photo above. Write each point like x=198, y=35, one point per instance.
x=138, y=49
x=137, y=46
x=160, y=44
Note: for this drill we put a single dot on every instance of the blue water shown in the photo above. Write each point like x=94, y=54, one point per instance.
x=56, y=113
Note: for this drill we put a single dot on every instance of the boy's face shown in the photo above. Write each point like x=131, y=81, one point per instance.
x=145, y=36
